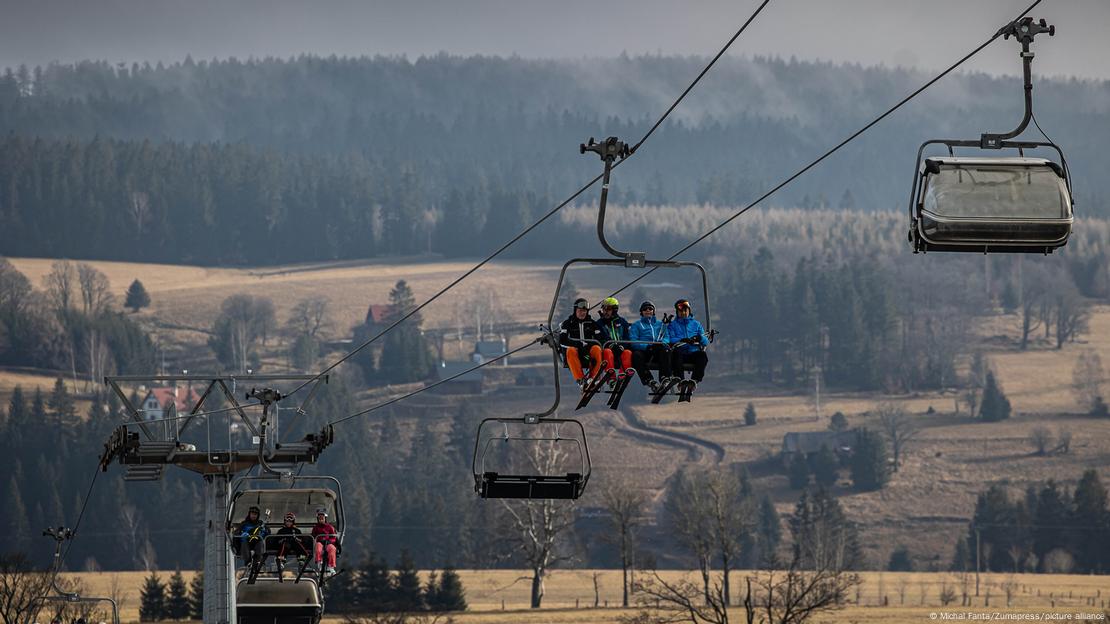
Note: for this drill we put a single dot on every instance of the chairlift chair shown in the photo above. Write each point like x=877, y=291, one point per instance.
x=610, y=150
x=529, y=484
x=275, y=496
x=981, y=204
x=268, y=601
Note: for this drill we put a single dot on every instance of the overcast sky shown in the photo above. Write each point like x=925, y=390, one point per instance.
x=925, y=34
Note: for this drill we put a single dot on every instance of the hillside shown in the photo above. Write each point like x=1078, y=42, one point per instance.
x=310, y=159
x=925, y=507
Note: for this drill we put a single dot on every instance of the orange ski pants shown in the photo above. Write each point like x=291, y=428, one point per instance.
x=574, y=361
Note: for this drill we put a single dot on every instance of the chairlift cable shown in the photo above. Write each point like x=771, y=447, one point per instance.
x=834, y=149
x=72, y=535
x=430, y=386
x=546, y=216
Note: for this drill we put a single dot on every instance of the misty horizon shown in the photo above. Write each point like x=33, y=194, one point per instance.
x=913, y=37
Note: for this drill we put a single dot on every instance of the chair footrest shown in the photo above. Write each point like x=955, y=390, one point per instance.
x=494, y=485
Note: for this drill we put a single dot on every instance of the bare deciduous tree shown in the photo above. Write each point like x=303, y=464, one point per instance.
x=898, y=427
x=732, y=516
x=537, y=528
x=21, y=588
x=625, y=505
x=310, y=317
x=1070, y=312
x=1087, y=378
x=1063, y=440
x=15, y=291
x=95, y=289
x=139, y=209
x=1040, y=438
x=794, y=596
x=686, y=508
x=683, y=600
x=60, y=284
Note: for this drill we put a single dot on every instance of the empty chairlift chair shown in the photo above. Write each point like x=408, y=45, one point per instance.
x=991, y=205
x=531, y=458
x=1012, y=203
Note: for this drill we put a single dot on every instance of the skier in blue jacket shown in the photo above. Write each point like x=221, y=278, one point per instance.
x=649, y=329
x=688, y=340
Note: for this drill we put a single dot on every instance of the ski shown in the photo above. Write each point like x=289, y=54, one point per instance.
x=618, y=391
x=666, y=388
x=591, y=389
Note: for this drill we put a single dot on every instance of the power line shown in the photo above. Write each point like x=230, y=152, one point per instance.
x=833, y=150
x=546, y=216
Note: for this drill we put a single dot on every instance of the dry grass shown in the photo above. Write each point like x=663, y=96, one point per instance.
x=908, y=596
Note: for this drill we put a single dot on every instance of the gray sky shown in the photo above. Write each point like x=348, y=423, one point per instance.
x=913, y=33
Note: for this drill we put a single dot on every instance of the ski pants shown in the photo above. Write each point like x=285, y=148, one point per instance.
x=321, y=548
x=576, y=358
x=610, y=356
x=652, y=354
x=698, y=358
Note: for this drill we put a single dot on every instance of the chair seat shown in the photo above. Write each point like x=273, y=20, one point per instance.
x=495, y=485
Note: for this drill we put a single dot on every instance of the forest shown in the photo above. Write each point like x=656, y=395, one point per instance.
x=280, y=160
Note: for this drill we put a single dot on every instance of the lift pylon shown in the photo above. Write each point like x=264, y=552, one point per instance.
x=146, y=446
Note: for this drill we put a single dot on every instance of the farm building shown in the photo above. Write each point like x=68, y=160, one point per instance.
x=485, y=350
x=807, y=442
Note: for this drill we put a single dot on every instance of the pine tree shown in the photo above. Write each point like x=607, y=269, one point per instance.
x=798, y=472
x=749, y=415
x=838, y=422
x=406, y=585
x=196, y=596
x=450, y=596
x=406, y=355
x=900, y=560
x=870, y=469
x=177, y=601
x=431, y=592
x=152, y=599
x=961, y=558
x=824, y=538
x=373, y=590
x=61, y=404
x=824, y=466
x=137, y=296
x=768, y=533
x=1091, y=517
x=994, y=405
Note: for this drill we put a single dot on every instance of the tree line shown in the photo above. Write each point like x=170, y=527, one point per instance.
x=1046, y=528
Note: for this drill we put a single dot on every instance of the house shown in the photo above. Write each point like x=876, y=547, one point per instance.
x=156, y=404
x=377, y=315
x=807, y=442
x=467, y=383
x=485, y=350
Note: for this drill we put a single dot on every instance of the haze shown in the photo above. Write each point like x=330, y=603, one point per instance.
x=869, y=32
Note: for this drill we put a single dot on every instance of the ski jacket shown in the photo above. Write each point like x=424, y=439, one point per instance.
x=575, y=333
x=650, y=329
x=680, y=329
x=325, y=533
x=251, y=531
x=289, y=537
x=613, y=328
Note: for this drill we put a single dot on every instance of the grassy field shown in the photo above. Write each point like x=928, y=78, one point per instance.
x=501, y=596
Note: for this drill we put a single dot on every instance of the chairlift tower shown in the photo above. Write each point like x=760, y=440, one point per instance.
x=147, y=446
